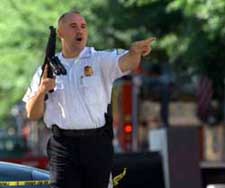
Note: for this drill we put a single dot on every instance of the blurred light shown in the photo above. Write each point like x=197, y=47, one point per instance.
x=128, y=128
x=9, y=145
x=11, y=131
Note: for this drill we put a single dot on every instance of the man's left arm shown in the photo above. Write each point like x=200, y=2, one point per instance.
x=131, y=60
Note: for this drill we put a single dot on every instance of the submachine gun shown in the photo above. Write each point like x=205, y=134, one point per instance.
x=55, y=67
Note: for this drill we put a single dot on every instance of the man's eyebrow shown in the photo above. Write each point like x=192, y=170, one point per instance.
x=74, y=23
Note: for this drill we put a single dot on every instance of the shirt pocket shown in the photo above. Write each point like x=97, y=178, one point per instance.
x=92, y=93
x=57, y=94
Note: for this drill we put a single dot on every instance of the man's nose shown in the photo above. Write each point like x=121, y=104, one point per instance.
x=79, y=30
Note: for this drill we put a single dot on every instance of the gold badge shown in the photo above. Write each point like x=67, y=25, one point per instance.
x=88, y=71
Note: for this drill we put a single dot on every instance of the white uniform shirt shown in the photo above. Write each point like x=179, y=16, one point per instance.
x=79, y=101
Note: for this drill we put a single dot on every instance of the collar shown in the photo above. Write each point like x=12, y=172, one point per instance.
x=85, y=53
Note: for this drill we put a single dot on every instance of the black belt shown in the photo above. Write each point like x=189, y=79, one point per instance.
x=76, y=133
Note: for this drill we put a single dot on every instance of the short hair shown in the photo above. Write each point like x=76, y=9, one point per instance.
x=67, y=13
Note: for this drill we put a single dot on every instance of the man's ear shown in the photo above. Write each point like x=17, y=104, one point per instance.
x=58, y=33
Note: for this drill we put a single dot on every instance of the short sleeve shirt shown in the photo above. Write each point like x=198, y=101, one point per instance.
x=80, y=98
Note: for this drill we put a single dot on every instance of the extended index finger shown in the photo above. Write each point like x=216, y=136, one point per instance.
x=150, y=39
x=45, y=73
x=147, y=41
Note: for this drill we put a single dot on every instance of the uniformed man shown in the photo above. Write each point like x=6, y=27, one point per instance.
x=80, y=150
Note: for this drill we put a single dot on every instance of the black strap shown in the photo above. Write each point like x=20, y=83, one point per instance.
x=109, y=121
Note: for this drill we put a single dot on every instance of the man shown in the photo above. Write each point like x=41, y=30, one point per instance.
x=80, y=150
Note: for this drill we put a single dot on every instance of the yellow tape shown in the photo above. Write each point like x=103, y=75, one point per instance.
x=116, y=180
x=24, y=183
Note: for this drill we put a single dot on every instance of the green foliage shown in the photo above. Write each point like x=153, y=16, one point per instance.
x=190, y=35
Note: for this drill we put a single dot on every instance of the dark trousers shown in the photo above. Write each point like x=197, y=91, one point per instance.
x=80, y=161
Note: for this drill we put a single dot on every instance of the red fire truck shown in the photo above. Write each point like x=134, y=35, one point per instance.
x=129, y=95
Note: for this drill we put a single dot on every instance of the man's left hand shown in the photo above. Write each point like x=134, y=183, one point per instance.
x=142, y=47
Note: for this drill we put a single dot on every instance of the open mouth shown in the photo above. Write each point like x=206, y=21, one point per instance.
x=79, y=39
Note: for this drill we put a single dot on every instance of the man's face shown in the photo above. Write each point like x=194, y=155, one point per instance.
x=73, y=31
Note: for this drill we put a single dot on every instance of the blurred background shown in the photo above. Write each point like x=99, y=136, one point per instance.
x=181, y=83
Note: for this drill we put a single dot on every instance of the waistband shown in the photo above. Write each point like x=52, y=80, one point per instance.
x=76, y=133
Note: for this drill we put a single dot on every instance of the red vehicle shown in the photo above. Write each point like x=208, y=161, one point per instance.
x=122, y=113
x=129, y=95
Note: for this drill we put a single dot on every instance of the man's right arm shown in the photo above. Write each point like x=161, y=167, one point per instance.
x=35, y=106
